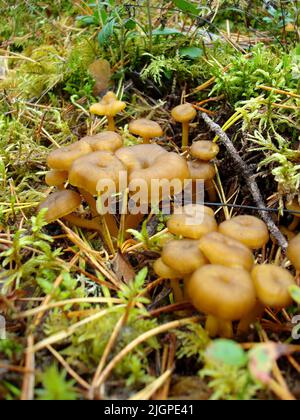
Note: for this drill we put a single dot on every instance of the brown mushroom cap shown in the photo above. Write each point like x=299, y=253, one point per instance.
x=193, y=222
x=141, y=156
x=272, y=285
x=184, y=256
x=222, y=250
x=226, y=293
x=55, y=178
x=184, y=113
x=294, y=206
x=249, y=230
x=88, y=170
x=293, y=252
x=164, y=271
x=166, y=168
x=109, y=106
x=201, y=170
x=63, y=158
x=145, y=128
x=108, y=141
x=204, y=150
x=60, y=204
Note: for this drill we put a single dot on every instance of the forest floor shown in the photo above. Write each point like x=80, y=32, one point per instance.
x=83, y=321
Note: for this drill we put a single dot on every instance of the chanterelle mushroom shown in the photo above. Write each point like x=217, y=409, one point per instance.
x=192, y=221
x=222, y=250
x=224, y=294
x=110, y=106
x=184, y=114
x=146, y=129
x=184, y=256
x=293, y=252
x=107, y=141
x=204, y=150
x=60, y=204
x=249, y=230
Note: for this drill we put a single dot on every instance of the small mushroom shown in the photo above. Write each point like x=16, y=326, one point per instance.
x=192, y=221
x=141, y=156
x=60, y=204
x=294, y=208
x=224, y=294
x=146, y=129
x=204, y=150
x=168, y=273
x=86, y=171
x=63, y=158
x=184, y=114
x=222, y=250
x=272, y=289
x=272, y=285
x=108, y=141
x=110, y=106
x=204, y=171
x=184, y=256
x=55, y=178
x=248, y=230
x=293, y=252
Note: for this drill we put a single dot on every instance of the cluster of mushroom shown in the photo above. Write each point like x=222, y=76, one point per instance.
x=83, y=165
x=218, y=268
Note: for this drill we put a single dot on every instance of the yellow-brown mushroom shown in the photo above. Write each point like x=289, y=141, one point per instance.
x=109, y=107
x=184, y=114
x=224, y=294
x=146, y=129
x=248, y=230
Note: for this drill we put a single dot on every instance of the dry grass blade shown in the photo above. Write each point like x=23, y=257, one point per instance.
x=155, y=331
x=150, y=389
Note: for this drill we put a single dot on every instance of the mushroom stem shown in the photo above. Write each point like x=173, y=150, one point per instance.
x=211, y=191
x=111, y=124
x=212, y=326
x=245, y=323
x=295, y=223
x=177, y=292
x=185, y=135
x=146, y=140
x=218, y=327
x=90, y=200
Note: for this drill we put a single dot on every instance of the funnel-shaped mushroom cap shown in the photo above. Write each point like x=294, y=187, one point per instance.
x=141, y=156
x=108, y=141
x=55, y=178
x=201, y=170
x=294, y=207
x=204, y=150
x=60, y=204
x=145, y=128
x=183, y=256
x=222, y=250
x=110, y=106
x=64, y=157
x=293, y=252
x=193, y=221
x=272, y=285
x=165, y=177
x=184, y=113
x=249, y=230
x=164, y=271
x=226, y=293
x=86, y=172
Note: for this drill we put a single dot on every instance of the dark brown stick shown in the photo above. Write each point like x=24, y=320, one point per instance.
x=250, y=181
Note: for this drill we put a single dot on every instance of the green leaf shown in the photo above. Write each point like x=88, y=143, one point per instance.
x=295, y=293
x=141, y=277
x=130, y=24
x=166, y=32
x=186, y=6
x=106, y=33
x=227, y=352
x=191, y=52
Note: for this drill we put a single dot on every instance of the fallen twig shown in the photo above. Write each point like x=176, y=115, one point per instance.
x=250, y=181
